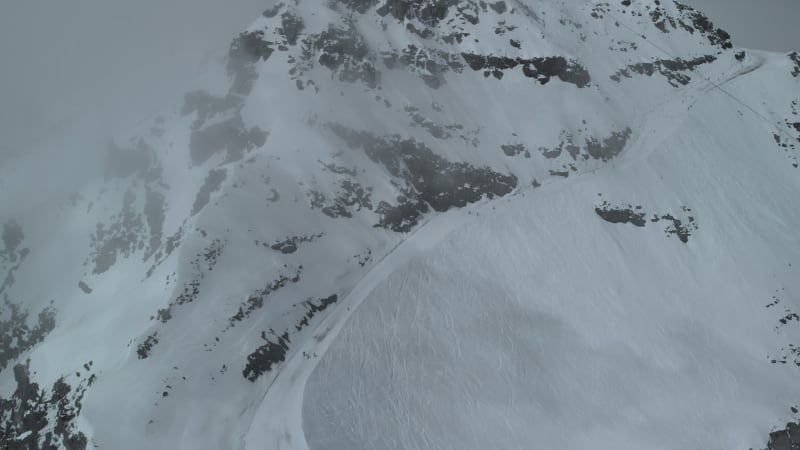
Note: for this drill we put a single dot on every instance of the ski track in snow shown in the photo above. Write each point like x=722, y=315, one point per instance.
x=757, y=64
x=304, y=164
x=277, y=422
x=648, y=139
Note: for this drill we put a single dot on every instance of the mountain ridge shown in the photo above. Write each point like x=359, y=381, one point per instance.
x=234, y=225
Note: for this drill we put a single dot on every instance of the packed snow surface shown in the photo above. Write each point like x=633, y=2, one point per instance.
x=387, y=224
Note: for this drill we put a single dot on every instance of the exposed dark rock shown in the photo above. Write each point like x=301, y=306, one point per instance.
x=291, y=27
x=429, y=64
x=636, y=216
x=345, y=53
x=9, y=278
x=350, y=194
x=513, y=149
x=164, y=315
x=154, y=212
x=123, y=237
x=171, y=243
x=16, y=335
x=256, y=300
x=189, y=294
x=430, y=179
x=499, y=7
x=434, y=129
x=289, y=245
x=603, y=149
x=24, y=423
x=364, y=258
x=273, y=11
x=778, y=141
x=699, y=22
x=429, y=12
x=84, y=287
x=565, y=144
x=479, y=62
x=792, y=355
x=795, y=58
x=557, y=66
x=789, y=317
x=552, y=153
x=672, y=69
x=12, y=236
x=541, y=69
x=502, y=28
x=774, y=302
x=209, y=256
x=454, y=37
x=285, y=247
x=143, y=351
x=313, y=308
x=317, y=199
x=245, y=51
x=660, y=18
x=360, y=6
x=266, y=356
x=403, y=216
x=203, y=263
x=678, y=228
x=609, y=147
x=274, y=351
x=211, y=184
x=785, y=439
x=787, y=145
x=339, y=170
x=620, y=214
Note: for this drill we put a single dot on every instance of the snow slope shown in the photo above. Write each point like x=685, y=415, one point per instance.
x=566, y=331
x=418, y=224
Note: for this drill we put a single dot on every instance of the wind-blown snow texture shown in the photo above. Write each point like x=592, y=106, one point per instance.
x=426, y=224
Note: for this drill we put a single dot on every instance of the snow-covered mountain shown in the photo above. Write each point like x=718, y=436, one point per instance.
x=425, y=224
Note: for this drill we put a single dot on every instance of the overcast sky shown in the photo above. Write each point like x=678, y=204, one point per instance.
x=112, y=62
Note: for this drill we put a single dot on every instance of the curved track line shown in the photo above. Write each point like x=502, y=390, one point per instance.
x=277, y=422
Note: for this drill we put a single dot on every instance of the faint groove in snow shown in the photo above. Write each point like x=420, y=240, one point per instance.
x=277, y=421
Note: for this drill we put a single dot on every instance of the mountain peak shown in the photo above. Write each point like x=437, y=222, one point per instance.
x=529, y=180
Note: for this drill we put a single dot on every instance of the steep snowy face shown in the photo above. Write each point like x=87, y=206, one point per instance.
x=182, y=300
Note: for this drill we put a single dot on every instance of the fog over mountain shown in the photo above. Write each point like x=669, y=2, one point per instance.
x=101, y=67
x=395, y=224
